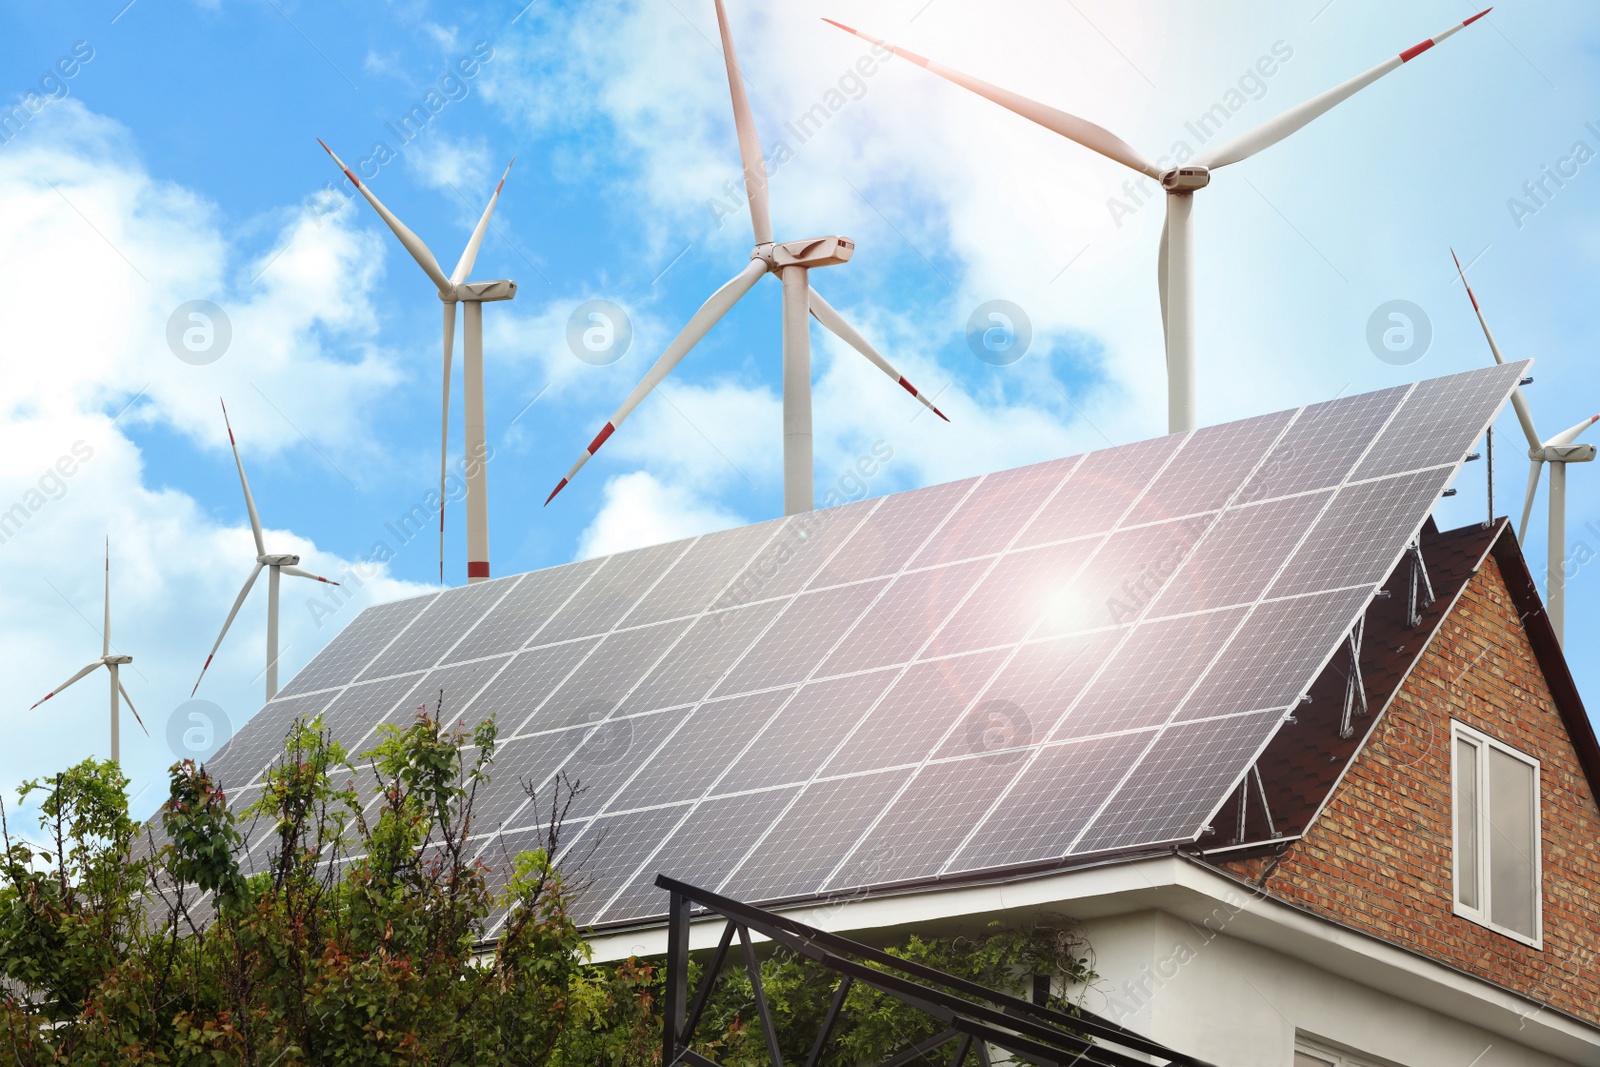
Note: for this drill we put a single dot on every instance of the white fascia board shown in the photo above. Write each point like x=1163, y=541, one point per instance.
x=1197, y=894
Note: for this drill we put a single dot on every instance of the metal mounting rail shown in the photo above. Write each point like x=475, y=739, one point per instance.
x=974, y=1017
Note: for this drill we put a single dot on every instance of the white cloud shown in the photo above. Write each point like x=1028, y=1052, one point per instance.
x=94, y=255
x=640, y=510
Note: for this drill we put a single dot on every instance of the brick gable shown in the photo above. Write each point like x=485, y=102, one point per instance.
x=1378, y=858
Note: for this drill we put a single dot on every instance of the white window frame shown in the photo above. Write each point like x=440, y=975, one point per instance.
x=1334, y=1054
x=1480, y=915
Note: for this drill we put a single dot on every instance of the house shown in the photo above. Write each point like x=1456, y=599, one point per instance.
x=1310, y=773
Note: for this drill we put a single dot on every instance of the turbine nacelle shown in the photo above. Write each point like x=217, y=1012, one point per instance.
x=808, y=253
x=286, y=559
x=480, y=292
x=1563, y=454
x=1186, y=179
x=116, y=661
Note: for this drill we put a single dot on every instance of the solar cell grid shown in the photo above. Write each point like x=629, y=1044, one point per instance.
x=355, y=646
x=610, y=755
x=1156, y=657
x=516, y=693
x=691, y=761
x=512, y=623
x=994, y=513
x=802, y=847
x=1180, y=781
x=905, y=617
x=1050, y=802
x=1173, y=654
x=425, y=642
x=1020, y=587
x=894, y=531
x=1347, y=545
x=1101, y=490
x=1210, y=468
x=1276, y=653
x=712, y=645
x=702, y=849
x=787, y=652
x=795, y=554
x=794, y=743
x=610, y=593
x=915, y=713
x=1319, y=449
x=919, y=831
x=1438, y=413
x=702, y=573
x=604, y=678
x=1239, y=555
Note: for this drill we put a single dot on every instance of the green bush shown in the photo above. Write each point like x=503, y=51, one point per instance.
x=362, y=933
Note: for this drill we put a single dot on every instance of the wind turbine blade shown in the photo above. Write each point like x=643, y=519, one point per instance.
x=824, y=313
x=1274, y=130
x=469, y=255
x=302, y=573
x=699, y=325
x=66, y=683
x=1566, y=437
x=1518, y=401
x=237, y=604
x=444, y=420
x=249, y=501
x=755, y=171
x=1527, y=505
x=124, y=691
x=1093, y=137
x=411, y=241
x=105, y=633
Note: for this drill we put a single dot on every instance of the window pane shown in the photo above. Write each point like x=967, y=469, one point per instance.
x=1466, y=822
x=1512, y=841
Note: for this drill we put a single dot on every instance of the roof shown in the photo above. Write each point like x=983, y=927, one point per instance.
x=1029, y=668
x=1306, y=760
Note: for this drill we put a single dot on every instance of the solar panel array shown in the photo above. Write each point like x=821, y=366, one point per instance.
x=1071, y=658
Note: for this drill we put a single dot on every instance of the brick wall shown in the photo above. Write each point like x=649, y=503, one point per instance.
x=1379, y=856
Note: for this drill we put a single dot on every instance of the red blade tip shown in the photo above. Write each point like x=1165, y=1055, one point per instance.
x=1478, y=16
x=554, y=491
x=842, y=26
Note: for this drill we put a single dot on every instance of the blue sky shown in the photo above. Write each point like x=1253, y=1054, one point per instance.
x=178, y=163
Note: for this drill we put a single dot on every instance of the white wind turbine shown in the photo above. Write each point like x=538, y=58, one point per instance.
x=276, y=564
x=1558, y=451
x=1175, y=266
x=791, y=262
x=111, y=663
x=452, y=291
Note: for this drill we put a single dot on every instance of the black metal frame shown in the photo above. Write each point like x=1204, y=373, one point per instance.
x=974, y=1017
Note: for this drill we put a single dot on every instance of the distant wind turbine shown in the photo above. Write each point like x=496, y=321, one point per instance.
x=1558, y=451
x=792, y=262
x=111, y=663
x=1175, y=268
x=453, y=290
x=276, y=564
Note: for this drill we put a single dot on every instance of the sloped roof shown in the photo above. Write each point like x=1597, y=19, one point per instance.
x=1029, y=668
x=1305, y=761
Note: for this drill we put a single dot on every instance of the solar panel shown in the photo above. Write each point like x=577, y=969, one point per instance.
x=1066, y=659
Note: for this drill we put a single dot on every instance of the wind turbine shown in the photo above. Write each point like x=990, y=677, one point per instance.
x=452, y=291
x=111, y=663
x=276, y=564
x=1558, y=451
x=1175, y=266
x=792, y=262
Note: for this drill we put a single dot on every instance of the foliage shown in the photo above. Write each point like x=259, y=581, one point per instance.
x=342, y=918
